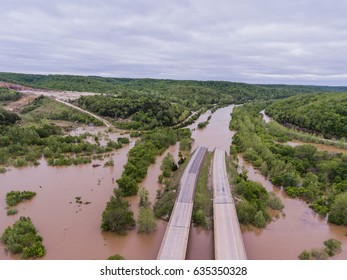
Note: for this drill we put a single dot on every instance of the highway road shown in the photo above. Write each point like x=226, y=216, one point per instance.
x=228, y=240
x=174, y=244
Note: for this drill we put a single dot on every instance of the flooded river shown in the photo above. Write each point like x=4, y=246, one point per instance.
x=216, y=134
x=72, y=231
x=288, y=236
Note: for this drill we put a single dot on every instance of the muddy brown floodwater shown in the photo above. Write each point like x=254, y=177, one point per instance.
x=320, y=147
x=216, y=134
x=72, y=231
x=288, y=236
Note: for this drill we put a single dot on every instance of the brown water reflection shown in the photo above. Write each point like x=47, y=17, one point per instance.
x=288, y=236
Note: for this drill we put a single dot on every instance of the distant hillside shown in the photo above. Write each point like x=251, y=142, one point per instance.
x=308, y=89
x=203, y=92
x=323, y=113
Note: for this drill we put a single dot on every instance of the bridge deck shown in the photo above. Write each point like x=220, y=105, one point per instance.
x=228, y=240
x=174, y=244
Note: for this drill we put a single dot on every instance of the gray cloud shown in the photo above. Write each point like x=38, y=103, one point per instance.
x=257, y=41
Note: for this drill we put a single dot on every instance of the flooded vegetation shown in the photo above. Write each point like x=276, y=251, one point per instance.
x=298, y=229
x=72, y=190
x=55, y=205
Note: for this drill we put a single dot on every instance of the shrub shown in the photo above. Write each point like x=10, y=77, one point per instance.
x=123, y=140
x=274, y=202
x=199, y=218
x=15, y=197
x=117, y=216
x=144, y=198
x=338, y=210
x=12, y=212
x=259, y=220
x=127, y=185
x=332, y=246
x=202, y=124
x=110, y=162
x=22, y=238
x=146, y=220
x=115, y=257
x=305, y=255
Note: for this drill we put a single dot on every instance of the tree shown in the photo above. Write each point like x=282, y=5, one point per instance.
x=117, y=216
x=274, y=202
x=146, y=220
x=144, y=198
x=127, y=185
x=246, y=212
x=259, y=220
x=22, y=238
x=338, y=210
x=185, y=144
x=332, y=246
x=167, y=165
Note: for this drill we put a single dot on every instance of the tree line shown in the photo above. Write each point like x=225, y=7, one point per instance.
x=319, y=178
x=325, y=114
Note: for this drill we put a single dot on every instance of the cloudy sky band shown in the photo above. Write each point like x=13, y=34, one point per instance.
x=255, y=41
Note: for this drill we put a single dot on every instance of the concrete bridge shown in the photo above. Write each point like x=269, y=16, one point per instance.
x=227, y=234
x=228, y=242
x=174, y=244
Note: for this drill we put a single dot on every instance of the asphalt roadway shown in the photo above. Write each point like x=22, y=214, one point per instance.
x=174, y=244
x=228, y=241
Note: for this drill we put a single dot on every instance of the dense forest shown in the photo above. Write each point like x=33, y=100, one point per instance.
x=199, y=92
x=320, y=178
x=142, y=112
x=322, y=113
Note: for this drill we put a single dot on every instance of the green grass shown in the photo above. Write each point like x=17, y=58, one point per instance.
x=203, y=205
x=45, y=108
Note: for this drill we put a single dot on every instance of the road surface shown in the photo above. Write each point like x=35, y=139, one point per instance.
x=106, y=123
x=174, y=244
x=228, y=242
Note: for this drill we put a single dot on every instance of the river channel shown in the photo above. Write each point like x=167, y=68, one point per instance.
x=72, y=231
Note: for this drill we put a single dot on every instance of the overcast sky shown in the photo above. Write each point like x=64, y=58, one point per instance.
x=255, y=41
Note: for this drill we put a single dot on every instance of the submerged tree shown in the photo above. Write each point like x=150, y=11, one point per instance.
x=146, y=220
x=117, y=216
